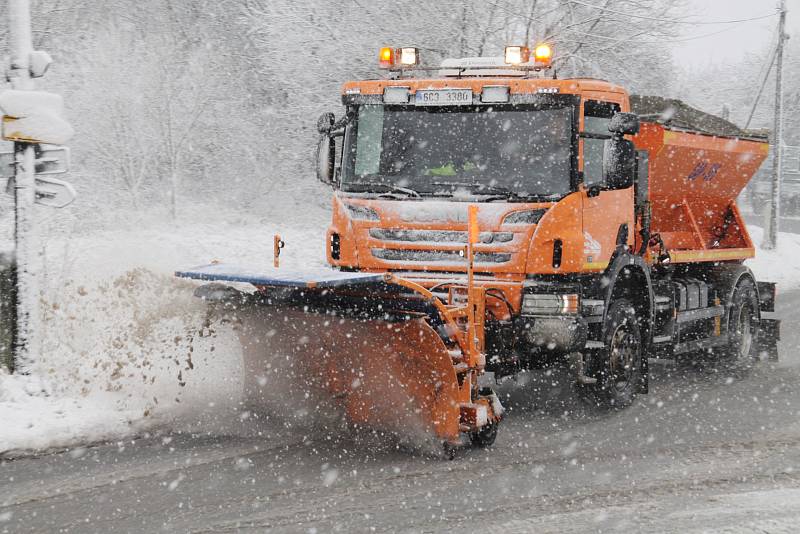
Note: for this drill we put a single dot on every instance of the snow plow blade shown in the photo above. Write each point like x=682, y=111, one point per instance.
x=383, y=351
x=394, y=376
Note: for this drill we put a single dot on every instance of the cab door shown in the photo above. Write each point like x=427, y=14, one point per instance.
x=608, y=215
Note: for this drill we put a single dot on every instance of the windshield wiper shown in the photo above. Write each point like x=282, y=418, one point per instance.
x=503, y=193
x=491, y=190
x=385, y=190
x=393, y=190
x=495, y=192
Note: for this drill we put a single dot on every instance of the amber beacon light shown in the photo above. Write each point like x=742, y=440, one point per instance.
x=386, y=57
x=543, y=54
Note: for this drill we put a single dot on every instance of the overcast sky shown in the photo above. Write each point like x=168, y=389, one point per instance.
x=734, y=40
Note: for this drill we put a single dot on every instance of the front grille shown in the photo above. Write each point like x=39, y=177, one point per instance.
x=430, y=256
x=437, y=236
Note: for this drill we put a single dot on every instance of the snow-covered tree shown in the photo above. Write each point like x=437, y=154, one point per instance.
x=191, y=100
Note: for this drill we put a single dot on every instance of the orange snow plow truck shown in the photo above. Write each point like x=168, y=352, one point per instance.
x=491, y=218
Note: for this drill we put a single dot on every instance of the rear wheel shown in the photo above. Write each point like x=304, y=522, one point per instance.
x=743, y=324
x=618, y=367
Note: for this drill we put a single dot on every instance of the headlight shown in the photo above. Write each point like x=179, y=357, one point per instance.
x=548, y=304
x=362, y=213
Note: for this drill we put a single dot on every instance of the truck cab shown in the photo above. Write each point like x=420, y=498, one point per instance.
x=518, y=147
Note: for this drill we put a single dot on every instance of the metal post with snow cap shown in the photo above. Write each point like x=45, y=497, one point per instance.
x=29, y=119
x=771, y=229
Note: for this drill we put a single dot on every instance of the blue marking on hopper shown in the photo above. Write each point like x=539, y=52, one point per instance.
x=312, y=277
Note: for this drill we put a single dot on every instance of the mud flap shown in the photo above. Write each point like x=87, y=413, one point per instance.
x=768, y=336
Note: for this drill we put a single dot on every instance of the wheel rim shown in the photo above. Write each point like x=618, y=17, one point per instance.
x=744, y=330
x=622, y=359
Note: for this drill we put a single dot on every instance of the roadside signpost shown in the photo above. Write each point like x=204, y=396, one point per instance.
x=50, y=192
x=33, y=121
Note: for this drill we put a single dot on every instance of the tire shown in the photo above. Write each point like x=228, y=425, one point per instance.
x=618, y=367
x=743, y=325
x=449, y=450
x=484, y=437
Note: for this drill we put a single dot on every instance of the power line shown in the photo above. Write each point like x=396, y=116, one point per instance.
x=763, y=84
x=648, y=41
x=670, y=21
x=769, y=54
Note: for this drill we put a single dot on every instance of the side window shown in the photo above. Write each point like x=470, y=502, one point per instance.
x=596, y=116
x=368, y=140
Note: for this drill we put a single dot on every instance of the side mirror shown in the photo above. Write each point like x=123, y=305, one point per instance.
x=619, y=163
x=624, y=124
x=326, y=149
x=325, y=123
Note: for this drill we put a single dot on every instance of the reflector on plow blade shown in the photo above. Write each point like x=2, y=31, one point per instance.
x=384, y=351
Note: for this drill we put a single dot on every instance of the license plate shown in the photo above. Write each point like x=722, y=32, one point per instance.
x=443, y=97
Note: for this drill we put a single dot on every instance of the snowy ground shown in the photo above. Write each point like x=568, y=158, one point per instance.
x=125, y=347
x=780, y=265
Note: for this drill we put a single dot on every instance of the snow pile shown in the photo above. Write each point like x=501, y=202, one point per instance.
x=34, y=419
x=126, y=346
x=781, y=265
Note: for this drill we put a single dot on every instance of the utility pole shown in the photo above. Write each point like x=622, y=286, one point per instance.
x=19, y=20
x=771, y=233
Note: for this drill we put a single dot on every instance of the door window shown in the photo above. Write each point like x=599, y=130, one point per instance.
x=596, y=117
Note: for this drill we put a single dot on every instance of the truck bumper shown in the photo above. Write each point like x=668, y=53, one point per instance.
x=555, y=333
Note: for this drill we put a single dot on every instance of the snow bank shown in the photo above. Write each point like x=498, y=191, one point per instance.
x=126, y=347
x=34, y=419
x=781, y=265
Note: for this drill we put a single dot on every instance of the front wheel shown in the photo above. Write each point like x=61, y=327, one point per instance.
x=484, y=437
x=618, y=367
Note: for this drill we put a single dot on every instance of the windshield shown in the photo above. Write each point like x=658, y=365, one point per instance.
x=521, y=151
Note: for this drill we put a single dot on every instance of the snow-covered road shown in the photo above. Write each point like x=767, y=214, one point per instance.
x=125, y=366
x=706, y=451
